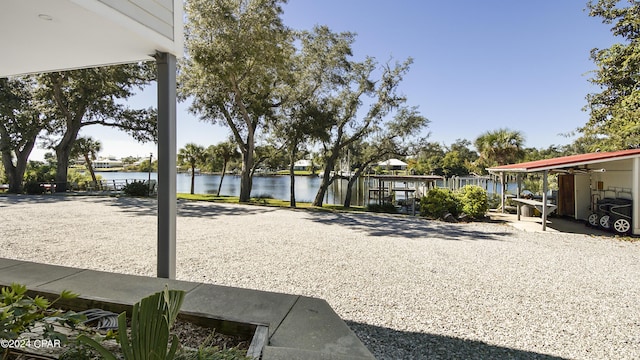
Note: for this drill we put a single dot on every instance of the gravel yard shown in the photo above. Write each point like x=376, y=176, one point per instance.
x=409, y=288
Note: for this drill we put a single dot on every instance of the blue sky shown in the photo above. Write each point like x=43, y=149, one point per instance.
x=478, y=65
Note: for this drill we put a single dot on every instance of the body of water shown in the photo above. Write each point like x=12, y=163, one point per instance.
x=276, y=187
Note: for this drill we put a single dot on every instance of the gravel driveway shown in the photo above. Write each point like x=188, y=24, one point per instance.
x=409, y=288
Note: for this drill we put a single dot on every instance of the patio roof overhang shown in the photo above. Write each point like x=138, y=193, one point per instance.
x=573, y=161
x=50, y=35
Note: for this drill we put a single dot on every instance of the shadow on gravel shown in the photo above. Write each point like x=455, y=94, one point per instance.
x=149, y=207
x=402, y=227
x=13, y=199
x=387, y=343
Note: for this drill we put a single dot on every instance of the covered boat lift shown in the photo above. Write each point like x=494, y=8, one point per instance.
x=583, y=179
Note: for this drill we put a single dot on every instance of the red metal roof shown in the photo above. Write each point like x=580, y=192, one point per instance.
x=567, y=161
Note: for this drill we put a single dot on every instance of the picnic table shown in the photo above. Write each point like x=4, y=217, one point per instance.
x=534, y=203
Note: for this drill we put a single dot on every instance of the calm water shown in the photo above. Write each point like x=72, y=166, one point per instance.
x=276, y=187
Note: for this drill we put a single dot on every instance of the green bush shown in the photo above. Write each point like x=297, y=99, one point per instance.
x=438, y=202
x=474, y=201
x=384, y=208
x=136, y=188
x=33, y=188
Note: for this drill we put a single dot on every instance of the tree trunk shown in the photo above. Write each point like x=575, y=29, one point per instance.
x=352, y=180
x=63, y=152
x=15, y=173
x=326, y=180
x=246, y=173
x=87, y=160
x=292, y=176
x=193, y=177
x=224, y=170
x=245, y=183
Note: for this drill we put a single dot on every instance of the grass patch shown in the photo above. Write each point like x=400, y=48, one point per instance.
x=265, y=201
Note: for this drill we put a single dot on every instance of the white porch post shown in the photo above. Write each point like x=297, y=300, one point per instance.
x=502, y=192
x=635, y=192
x=519, y=190
x=166, y=165
x=545, y=185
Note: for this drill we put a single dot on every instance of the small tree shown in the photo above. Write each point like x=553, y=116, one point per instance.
x=192, y=155
x=87, y=148
x=226, y=151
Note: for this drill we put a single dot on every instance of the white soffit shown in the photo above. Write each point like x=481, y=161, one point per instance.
x=49, y=35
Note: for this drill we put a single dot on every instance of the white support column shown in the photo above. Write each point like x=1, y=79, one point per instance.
x=519, y=190
x=166, y=165
x=635, y=192
x=502, y=192
x=545, y=187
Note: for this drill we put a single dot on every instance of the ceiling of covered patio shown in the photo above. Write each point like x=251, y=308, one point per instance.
x=49, y=35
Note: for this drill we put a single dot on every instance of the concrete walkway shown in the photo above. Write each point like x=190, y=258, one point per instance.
x=299, y=327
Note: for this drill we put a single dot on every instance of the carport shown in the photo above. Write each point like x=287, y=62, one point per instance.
x=583, y=180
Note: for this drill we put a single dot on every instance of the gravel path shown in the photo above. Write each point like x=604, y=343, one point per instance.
x=409, y=288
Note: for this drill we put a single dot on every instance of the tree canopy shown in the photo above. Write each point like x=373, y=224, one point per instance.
x=237, y=58
x=613, y=123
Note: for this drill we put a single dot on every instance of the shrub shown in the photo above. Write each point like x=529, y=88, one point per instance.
x=474, y=201
x=33, y=188
x=136, y=188
x=438, y=202
x=384, y=208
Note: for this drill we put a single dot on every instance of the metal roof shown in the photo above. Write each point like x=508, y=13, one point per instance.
x=567, y=161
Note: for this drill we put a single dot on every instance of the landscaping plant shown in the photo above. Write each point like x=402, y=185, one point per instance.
x=20, y=313
x=474, y=201
x=438, y=202
x=136, y=188
x=151, y=319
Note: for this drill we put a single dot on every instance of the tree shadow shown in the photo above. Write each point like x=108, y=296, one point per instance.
x=387, y=343
x=403, y=226
x=14, y=199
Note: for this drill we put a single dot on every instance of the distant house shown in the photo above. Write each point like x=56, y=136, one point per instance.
x=393, y=164
x=302, y=165
x=107, y=163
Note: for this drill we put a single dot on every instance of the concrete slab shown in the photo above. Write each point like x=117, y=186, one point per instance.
x=313, y=325
x=127, y=289
x=279, y=353
x=299, y=327
x=242, y=305
x=8, y=262
x=35, y=274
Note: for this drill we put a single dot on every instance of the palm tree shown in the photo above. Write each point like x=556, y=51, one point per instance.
x=192, y=155
x=88, y=148
x=226, y=151
x=500, y=147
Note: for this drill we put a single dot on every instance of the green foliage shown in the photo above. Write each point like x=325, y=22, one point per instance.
x=500, y=147
x=40, y=172
x=20, y=313
x=474, y=201
x=80, y=178
x=438, y=202
x=136, y=188
x=33, y=188
x=614, y=112
x=384, y=208
x=151, y=320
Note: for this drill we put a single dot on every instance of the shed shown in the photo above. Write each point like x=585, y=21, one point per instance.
x=586, y=179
